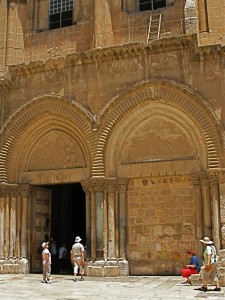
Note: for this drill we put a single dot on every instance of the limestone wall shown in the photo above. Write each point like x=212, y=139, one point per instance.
x=161, y=225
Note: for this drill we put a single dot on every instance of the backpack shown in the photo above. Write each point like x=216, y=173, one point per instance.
x=214, y=254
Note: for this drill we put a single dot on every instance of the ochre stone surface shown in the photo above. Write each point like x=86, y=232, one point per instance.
x=140, y=124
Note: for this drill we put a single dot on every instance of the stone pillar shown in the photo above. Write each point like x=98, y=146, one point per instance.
x=13, y=230
x=207, y=221
x=7, y=227
x=105, y=226
x=12, y=240
x=93, y=226
x=36, y=15
x=108, y=226
x=202, y=16
x=2, y=217
x=111, y=228
x=24, y=223
x=88, y=223
x=222, y=213
x=3, y=26
x=99, y=225
x=216, y=223
x=18, y=227
x=122, y=188
x=103, y=33
x=15, y=37
x=199, y=213
x=190, y=12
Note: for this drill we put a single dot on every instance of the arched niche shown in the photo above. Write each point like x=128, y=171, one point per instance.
x=49, y=136
x=192, y=111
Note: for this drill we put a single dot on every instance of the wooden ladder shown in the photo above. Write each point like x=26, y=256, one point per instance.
x=154, y=27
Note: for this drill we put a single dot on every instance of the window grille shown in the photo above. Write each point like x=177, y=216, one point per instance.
x=60, y=13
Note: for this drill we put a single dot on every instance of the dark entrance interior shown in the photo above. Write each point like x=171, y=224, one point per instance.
x=68, y=217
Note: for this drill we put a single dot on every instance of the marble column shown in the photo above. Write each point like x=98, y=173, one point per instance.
x=93, y=226
x=88, y=223
x=207, y=220
x=111, y=228
x=199, y=212
x=99, y=225
x=18, y=227
x=2, y=227
x=216, y=224
x=222, y=212
x=7, y=227
x=24, y=223
x=105, y=226
x=12, y=235
x=122, y=188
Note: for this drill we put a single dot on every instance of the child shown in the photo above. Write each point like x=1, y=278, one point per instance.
x=46, y=263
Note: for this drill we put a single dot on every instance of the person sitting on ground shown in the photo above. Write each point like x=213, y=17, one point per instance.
x=193, y=267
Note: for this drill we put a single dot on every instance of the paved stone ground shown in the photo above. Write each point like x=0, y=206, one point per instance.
x=30, y=287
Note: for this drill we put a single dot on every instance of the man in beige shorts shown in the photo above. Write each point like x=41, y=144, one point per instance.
x=77, y=258
x=209, y=269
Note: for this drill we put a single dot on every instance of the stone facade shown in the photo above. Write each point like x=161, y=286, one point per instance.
x=139, y=125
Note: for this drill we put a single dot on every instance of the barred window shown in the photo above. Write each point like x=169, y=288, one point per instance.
x=60, y=13
x=151, y=4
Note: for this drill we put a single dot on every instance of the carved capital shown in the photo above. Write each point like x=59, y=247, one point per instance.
x=214, y=180
x=108, y=185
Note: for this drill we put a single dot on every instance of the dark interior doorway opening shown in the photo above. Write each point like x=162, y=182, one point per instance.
x=68, y=215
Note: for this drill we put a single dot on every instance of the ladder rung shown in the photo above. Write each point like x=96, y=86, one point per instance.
x=154, y=27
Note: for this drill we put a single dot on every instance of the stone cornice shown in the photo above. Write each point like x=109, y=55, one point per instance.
x=100, y=55
x=114, y=53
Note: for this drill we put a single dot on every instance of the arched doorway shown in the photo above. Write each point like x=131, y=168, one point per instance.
x=68, y=216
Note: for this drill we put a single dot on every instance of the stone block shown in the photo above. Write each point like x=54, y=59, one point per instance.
x=89, y=271
x=111, y=271
x=14, y=266
x=123, y=268
x=97, y=271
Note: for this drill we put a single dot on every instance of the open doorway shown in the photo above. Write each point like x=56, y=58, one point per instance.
x=68, y=217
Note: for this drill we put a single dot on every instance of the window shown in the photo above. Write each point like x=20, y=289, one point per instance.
x=60, y=13
x=151, y=4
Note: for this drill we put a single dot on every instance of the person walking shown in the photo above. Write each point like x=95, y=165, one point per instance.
x=77, y=258
x=53, y=251
x=46, y=263
x=192, y=268
x=63, y=255
x=209, y=269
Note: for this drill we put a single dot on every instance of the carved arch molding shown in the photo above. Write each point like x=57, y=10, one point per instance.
x=54, y=116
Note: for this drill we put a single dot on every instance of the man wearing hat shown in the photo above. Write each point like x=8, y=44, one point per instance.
x=77, y=258
x=209, y=269
x=46, y=263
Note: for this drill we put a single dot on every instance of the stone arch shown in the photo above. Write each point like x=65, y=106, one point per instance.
x=41, y=115
x=167, y=92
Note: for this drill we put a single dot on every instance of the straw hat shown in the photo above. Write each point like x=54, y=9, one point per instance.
x=206, y=240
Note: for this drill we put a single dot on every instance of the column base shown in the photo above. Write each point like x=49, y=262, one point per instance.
x=14, y=266
x=108, y=268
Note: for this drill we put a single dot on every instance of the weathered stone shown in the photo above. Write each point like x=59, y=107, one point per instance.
x=138, y=122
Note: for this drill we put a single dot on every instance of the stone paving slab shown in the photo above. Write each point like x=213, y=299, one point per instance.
x=18, y=287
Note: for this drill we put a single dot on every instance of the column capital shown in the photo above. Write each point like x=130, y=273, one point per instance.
x=9, y=189
x=105, y=184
